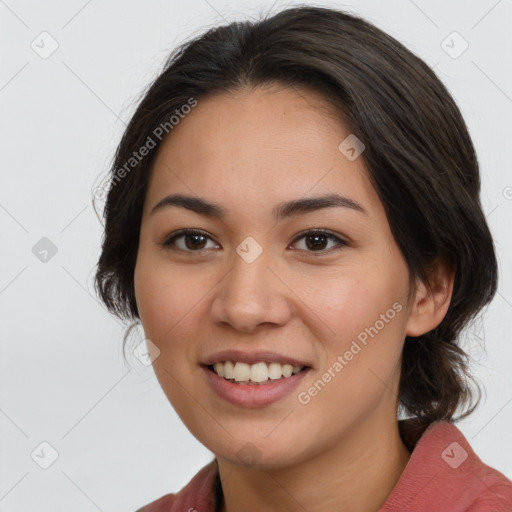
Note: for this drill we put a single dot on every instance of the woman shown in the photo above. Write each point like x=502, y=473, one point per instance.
x=294, y=218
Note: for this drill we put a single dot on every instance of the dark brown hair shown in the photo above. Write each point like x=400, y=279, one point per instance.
x=419, y=156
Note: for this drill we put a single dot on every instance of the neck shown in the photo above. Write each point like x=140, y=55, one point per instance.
x=357, y=474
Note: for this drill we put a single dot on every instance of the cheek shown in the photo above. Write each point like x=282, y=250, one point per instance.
x=166, y=305
x=365, y=315
x=353, y=300
x=172, y=306
x=161, y=297
x=361, y=352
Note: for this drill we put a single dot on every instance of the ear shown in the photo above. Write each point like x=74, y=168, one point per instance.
x=429, y=306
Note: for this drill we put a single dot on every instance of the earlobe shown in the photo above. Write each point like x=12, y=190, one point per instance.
x=430, y=304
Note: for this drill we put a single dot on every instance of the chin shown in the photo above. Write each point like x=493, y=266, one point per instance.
x=260, y=454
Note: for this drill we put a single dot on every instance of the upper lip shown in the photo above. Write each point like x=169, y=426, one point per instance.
x=266, y=356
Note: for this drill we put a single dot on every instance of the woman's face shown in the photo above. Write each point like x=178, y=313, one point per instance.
x=254, y=281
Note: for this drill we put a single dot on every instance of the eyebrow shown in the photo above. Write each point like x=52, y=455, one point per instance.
x=280, y=211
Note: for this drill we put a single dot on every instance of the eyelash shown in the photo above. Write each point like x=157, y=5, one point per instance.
x=168, y=243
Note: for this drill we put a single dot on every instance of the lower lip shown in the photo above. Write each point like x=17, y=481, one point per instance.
x=253, y=395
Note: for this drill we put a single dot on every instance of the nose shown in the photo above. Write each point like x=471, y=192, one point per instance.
x=251, y=294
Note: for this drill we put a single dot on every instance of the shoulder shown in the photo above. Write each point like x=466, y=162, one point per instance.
x=487, y=488
x=490, y=489
x=444, y=473
x=493, y=493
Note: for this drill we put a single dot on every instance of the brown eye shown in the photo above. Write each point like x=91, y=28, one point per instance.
x=188, y=240
x=318, y=240
x=194, y=241
x=314, y=242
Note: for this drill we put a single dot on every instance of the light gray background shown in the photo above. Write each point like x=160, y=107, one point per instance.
x=62, y=376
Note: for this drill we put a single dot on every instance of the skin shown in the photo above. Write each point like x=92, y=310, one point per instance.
x=248, y=151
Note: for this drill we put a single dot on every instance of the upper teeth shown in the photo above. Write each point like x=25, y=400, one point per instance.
x=258, y=372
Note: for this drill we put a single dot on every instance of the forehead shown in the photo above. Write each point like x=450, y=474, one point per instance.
x=264, y=144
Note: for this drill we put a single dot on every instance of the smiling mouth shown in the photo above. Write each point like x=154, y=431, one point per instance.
x=254, y=374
